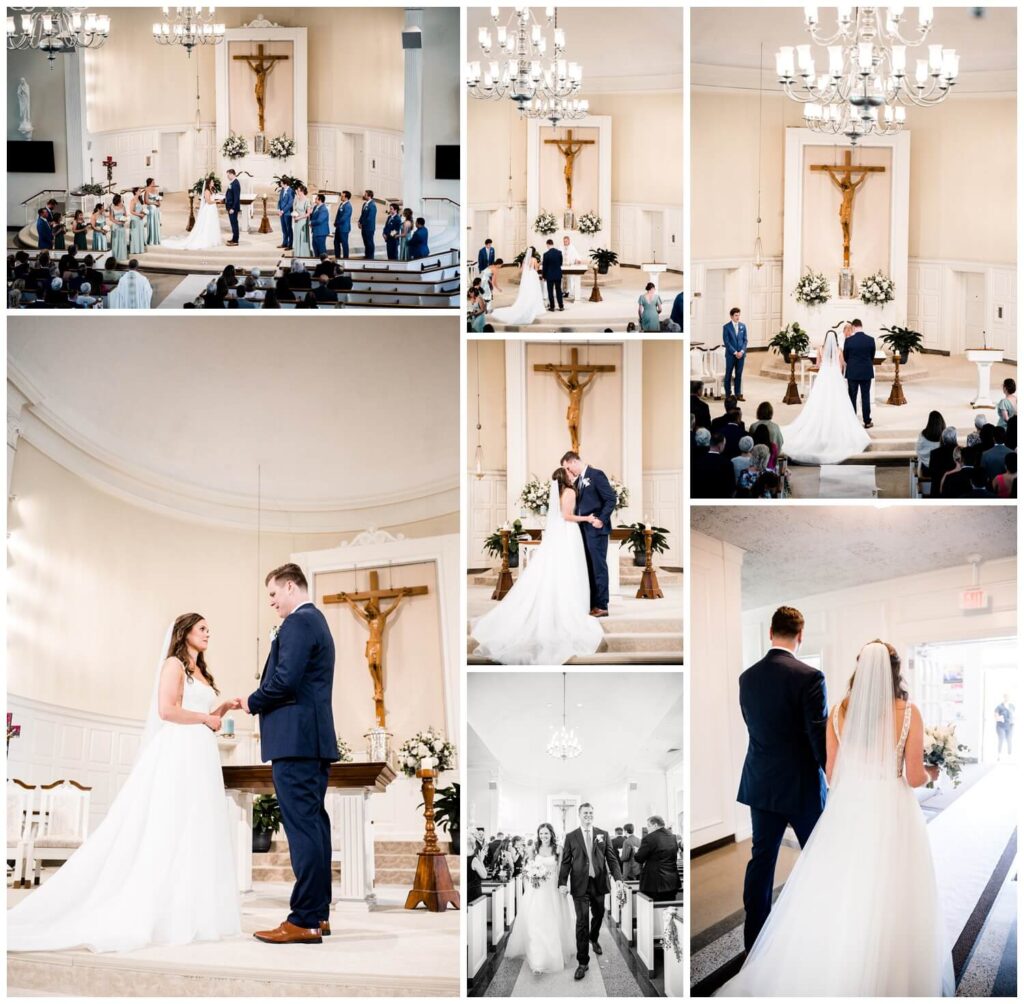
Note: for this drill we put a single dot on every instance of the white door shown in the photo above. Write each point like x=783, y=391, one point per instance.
x=169, y=163
x=713, y=306
x=483, y=224
x=973, y=287
x=655, y=233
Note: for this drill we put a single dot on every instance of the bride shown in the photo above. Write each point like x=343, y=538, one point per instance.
x=205, y=233
x=529, y=303
x=544, y=619
x=545, y=928
x=827, y=430
x=860, y=913
x=159, y=869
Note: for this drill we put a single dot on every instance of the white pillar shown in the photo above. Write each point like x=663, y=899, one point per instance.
x=16, y=402
x=633, y=429
x=74, y=114
x=515, y=423
x=412, y=148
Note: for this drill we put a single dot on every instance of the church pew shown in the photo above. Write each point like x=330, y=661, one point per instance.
x=510, y=901
x=495, y=892
x=442, y=259
x=650, y=926
x=675, y=969
x=628, y=924
x=476, y=935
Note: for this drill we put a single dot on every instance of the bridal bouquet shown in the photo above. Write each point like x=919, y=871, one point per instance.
x=426, y=744
x=877, y=288
x=943, y=751
x=344, y=751
x=235, y=147
x=812, y=289
x=589, y=223
x=281, y=147
x=534, y=496
x=621, y=494
x=536, y=872
x=545, y=223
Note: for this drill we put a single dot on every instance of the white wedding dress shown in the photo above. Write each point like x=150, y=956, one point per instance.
x=160, y=868
x=205, y=233
x=860, y=914
x=544, y=620
x=529, y=303
x=544, y=931
x=827, y=430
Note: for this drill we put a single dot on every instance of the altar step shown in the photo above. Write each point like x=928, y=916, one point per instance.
x=630, y=577
x=395, y=862
x=567, y=325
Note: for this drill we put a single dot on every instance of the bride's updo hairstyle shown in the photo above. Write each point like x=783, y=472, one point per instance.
x=899, y=686
x=178, y=649
x=554, y=839
x=561, y=475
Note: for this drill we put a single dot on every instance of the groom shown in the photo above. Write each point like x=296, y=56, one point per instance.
x=551, y=269
x=859, y=353
x=233, y=203
x=785, y=709
x=587, y=858
x=297, y=737
x=594, y=497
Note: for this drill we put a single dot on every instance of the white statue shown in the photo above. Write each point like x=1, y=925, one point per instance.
x=24, y=109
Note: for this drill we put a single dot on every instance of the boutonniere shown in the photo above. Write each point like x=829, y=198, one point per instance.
x=274, y=632
x=586, y=482
x=600, y=838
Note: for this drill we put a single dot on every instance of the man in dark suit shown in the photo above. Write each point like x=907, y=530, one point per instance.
x=44, y=232
x=551, y=270
x=859, y=353
x=320, y=225
x=341, y=281
x=711, y=472
x=659, y=876
x=719, y=422
x=618, y=840
x=323, y=292
x=368, y=223
x=485, y=256
x=699, y=407
x=594, y=497
x=233, y=204
x=297, y=737
x=587, y=859
x=343, y=225
x=418, y=247
x=785, y=709
x=734, y=338
x=285, y=202
x=392, y=231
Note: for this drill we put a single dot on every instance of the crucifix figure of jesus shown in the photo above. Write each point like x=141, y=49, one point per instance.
x=563, y=805
x=575, y=387
x=375, y=617
x=842, y=178
x=569, y=148
x=261, y=64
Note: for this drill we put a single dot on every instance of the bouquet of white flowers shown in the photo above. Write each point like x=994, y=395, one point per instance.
x=536, y=872
x=943, y=751
x=344, y=751
x=426, y=744
x=589, y=223
x=534, y=496
x=621, y=494
x=812, y=289
x=281, y=147
x=877, y=288
x=545, y=223
x=620, y=894
x=235, y=147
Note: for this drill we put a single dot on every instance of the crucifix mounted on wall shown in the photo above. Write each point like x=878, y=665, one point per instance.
x=569, y=148
x=575, y=387
x=375, y=617
x=842, y=178
x=261, y=64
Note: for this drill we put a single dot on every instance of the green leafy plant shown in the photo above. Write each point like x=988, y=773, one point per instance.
x=91, y=189
x=446, y=812
x=635, y=540
x=492, y=545
x=266, y=814
x=521, y=257
x=902, y=341
x=201, y=183
x=791, y=340
x=603, y=259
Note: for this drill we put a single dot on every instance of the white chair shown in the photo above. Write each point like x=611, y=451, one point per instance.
x=20, y=803
x=697, y=365
x=715, y=363
x=63, y=824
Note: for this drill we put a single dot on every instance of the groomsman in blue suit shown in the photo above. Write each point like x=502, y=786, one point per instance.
x=392, y=231
x=485, y=256
x=285, y=201
x=734, y=338
x=320, y=225
x=233, y=204
x=368, y=223
x=343, y=225
x=44, y=232
x=418, y=240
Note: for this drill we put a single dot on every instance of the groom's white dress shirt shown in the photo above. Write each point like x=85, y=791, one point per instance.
x=588, y=839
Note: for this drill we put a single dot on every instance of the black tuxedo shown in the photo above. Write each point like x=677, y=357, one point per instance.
x=659, y=876
x=785, y=709
x=588, y=891
x=859, y=353
x=551, y=269
x=596, y=497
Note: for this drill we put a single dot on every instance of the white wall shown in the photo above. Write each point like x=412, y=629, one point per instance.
x=441, y=93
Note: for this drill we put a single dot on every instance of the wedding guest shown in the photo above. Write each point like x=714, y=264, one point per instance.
x=956, y=482
x=308, y=302
x=977, y=444
x=84, y=297
x=118, y=217
x=100, y=228
x=151, y=200
x=137, y=224
x=942, y=459
x=730, y=404
x=659, y=877
x=477, y=311
x=1007, y=406
x=342, y=281
x=929, y=438
x=302, y=209
x=392, y=231
x=630, y=845
x=298, y=277
x=1005, y=482
x=22, y=265
x=749, y=484
x=14, y=294
x=229, y=276
x=698, y=406
x=80, y=231
x=762, y=437
x=257, y=277
x=213, y=297
x=649, y=308
x=476, y=872
x=55, y=295
x=765, y=417
x=325, y=267
x=678, y=314
x=742, y=462
x=68, y=263
x=323, y=293
x=1011, y=433
x=733, y=431
x=618, y=840
x=993, y=460
x=270, y=300
x=1005, y=710
x=243, y=295
x=711, y=471
x=44, y=231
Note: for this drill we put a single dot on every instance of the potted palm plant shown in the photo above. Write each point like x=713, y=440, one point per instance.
x=635, y=541
x=266, y=821
x=901, y=342
x=791, y=343
x=604, y=259
x=446, y=813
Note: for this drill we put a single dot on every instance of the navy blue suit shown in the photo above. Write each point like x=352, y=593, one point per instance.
x=786, y=711
x=392, y=231
x=44, y=232
x=297, y=736
x=484, y=257
x=367, y=225
x=285, y=201
x=859, y=353
x=596, y=497
x=734, y=341
x=418, y=243
x=233, y=205
x=342, y=228
x=551, y=269
x=319, y=228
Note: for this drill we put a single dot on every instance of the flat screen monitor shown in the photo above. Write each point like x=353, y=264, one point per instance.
x=25, y=157
x=446, y=163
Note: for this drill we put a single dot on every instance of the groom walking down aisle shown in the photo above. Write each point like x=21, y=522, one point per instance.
x=587, y=858
x=297, y=737
x=594, y=497
x=785, y=710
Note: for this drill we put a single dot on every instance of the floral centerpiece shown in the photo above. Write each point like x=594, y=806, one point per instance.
x=344, y=751
x=281, y=147
x=943, y=751
x=534, y=496
x=235, y=147
x=877, y=289
x=621, y=494
x=545, y=223
x=812, y=289
x=536, y=873
x=589, y=224
x=429, y=743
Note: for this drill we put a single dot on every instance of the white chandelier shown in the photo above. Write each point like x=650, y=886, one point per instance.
x=191, y=27
x=56, y=30
x=867, y=87
x=563, y=744
x=541, y=86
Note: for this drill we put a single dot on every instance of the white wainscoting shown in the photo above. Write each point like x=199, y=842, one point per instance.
x=131, y=147
x=721, y=284
x=355, y=158
x=663, y=505
x=487, y=507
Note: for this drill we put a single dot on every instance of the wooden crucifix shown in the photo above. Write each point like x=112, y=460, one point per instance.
x=842, y=178
x=261, y=64
x=574, y=387
x=375, y=618
x=569, y=148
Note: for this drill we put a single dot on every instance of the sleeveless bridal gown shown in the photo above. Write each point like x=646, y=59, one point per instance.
x=545, y=928
x=827, y=430
x=205, y=233
x=544, y=620
x=159, y=869
x=529, y=302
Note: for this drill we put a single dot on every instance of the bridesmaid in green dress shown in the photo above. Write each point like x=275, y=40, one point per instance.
x=100, y=228
x=403, y=240
x=137, y=229
x=60, y=228
x=151, y=200
x=650, y=308
x=118, y=229
x=303, y=208
x=80, y=230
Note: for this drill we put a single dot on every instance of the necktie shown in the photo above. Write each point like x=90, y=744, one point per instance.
x=588, y=839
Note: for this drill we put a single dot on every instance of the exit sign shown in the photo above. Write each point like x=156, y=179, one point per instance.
x=974, y=599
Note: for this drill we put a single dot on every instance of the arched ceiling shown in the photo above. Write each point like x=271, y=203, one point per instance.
x=353, y=423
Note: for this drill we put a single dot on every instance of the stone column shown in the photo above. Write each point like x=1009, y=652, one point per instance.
x=76, y=125
x=412, y=149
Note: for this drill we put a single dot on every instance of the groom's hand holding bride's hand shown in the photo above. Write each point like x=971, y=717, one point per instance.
x=243, y=703
x=594, y=521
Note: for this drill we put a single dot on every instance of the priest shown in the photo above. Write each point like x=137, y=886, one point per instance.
x=132, y=292
x=570, y=256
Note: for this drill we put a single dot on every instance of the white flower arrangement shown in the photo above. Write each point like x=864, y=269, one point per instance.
x=344, y=751
x=943, y=751
x=281, y=147
x=426, y=744
x=536, y=873
x=621, y=494
x=589, y=224
x=545, y=223
x=812, y=289
x=877, y=289
x=534, y=496
x=235, y=147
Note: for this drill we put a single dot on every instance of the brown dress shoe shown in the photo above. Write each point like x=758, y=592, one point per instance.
x=597, y=612
x=325, y=928
x=289, y=934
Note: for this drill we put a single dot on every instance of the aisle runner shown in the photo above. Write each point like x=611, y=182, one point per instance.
x=846, y=481
x=560, y=984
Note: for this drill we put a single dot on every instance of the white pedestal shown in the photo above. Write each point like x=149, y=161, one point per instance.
x=983, y=359
x=353, y=829
x=654, y=270
x=240, y=815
